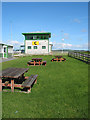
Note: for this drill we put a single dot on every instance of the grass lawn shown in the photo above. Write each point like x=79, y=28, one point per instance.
x=61, y=90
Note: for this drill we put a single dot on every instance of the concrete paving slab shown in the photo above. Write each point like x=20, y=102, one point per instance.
x=6, y=59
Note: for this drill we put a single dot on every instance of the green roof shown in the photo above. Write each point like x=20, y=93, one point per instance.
x=37, y=33
x=6, y=44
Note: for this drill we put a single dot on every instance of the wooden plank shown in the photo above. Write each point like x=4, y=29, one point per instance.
x=10, y=73
x=30, y=81
x=58, y=56
x=6, y=71
x=80, y=56
x=12, y=85
x=37, y=59
x=0, y=84
x=27, y=81
x=9, y=85
x=20, y=72
x=15, y=72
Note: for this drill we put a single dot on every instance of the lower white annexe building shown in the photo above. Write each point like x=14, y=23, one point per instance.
x=6, y=51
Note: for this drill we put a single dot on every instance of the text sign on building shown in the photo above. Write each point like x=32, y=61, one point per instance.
x=35, y=43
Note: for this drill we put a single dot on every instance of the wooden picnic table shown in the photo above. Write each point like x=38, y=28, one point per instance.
x=58, y=58
x=37, y=60
x=12, y=73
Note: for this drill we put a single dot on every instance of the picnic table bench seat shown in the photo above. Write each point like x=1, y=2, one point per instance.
x=29, y=82
x=30, y=62
x=53, y=59
x=63, y=59
x=44, y=63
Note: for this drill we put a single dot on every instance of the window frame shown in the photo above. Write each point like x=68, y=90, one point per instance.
x=44, y=47
x=34, y=37
x=34, y=47
x=30, y=47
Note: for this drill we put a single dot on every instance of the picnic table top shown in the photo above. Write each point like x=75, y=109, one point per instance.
x=58, y=56
x=13, y=72
x=36, y=58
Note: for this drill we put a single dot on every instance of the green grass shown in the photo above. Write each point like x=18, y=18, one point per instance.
x=61, y=90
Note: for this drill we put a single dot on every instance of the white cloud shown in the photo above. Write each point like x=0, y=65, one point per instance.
x=76, y=20
x=66, y=36
x=61, y=45
x=16, y=44
x=80, y=39
x=83, y=30
x=62, y=39
x=69, y=46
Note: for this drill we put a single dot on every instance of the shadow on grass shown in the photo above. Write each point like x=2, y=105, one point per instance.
x=16, y=89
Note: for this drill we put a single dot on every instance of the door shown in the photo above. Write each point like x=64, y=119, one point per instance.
x=5, y=52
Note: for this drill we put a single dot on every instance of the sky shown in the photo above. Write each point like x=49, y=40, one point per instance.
x=67, y=22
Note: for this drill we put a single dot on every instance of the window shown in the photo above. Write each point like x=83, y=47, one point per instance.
x=45, y=37
x=35, y=47
x=29, y=47
x=43, y=47
x=4, y=50
x=38, y=37
x=31, y=37
x=27, y=37
x=41, y=37
x=35, y=37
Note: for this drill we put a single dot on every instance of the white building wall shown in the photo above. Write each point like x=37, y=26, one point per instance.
x=50, y=48
x=39, y=49
x=1, y=49
x=10, y=49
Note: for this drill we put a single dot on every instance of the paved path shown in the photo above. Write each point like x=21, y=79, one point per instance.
x=7, y=59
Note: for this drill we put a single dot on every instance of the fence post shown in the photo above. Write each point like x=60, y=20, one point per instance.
x=83, y=57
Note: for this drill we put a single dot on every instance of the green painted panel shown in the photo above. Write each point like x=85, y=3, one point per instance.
x=5, y=55
x=7, y=52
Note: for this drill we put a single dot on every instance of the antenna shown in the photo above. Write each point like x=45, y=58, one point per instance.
x=62, y=39
x=11, y=29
